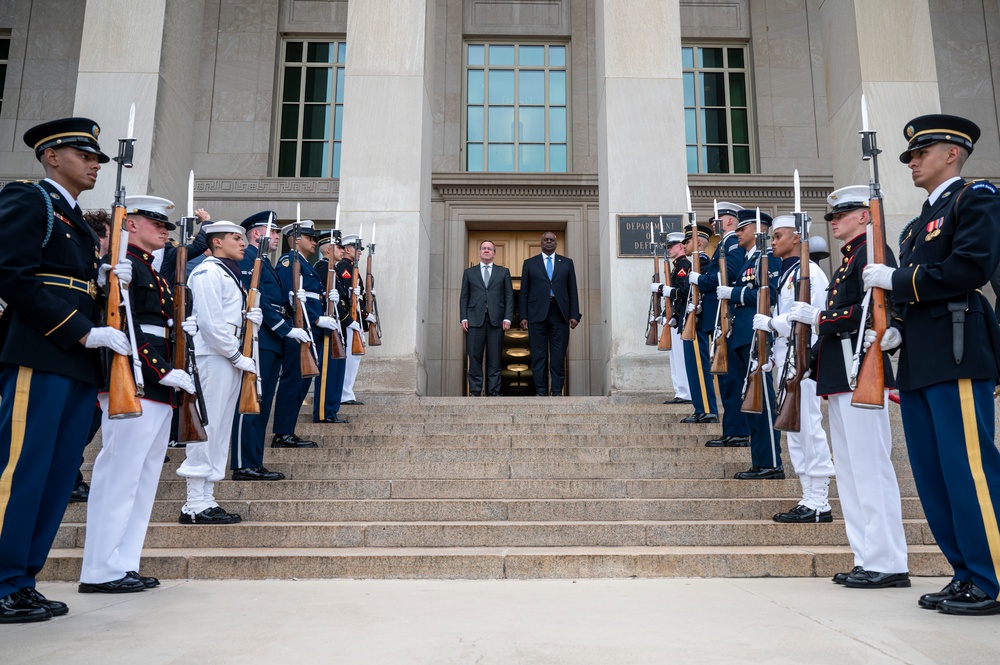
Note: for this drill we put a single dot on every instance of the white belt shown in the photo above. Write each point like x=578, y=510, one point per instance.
x=157, y=331
x=314, y=296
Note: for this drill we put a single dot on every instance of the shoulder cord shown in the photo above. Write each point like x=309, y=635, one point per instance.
x=48, y=213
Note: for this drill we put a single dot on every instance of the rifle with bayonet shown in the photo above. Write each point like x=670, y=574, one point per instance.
x=653, y=316
x=357, y=343
x=250, y=383
x=371, y=304
x=334, y=340
x=308, y=366
x=666, y=339
x=724, y=321
x=694, y=294
x=796, y=367
x=760, y=349
x=192, y=416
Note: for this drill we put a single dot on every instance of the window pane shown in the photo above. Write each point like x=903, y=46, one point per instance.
x=688, y=88
x=319, y=52
x=713, y=126
x=314, y=156
x=687, y=57
x=690, y=126
x=692, y=158
x=474, y=157
x=557, y=88
x=501, y=157
x=501, y=83
x=713, y=89
x=289, y=121
x=476, y=86
x=740, y=126
x=341, y=53
x=531, y=56
x=532, y=87
x=711, y=57
x=557, y=158
x=501, y=55
x=293, y=52
x=338, y=122
x=737, y=90
x=286, y=159
x=735, y=58
x=476, y=54
x=474, y=124
x=4, y=48
x=531, y=158
x=557, y=56
x=335, y=171
x=340, y=85
x=318, y=83
x=741, y=159
x=501, y=123
x=532, y=125
x=716, y=159
x=293, y=84
x=557, y=124
x=315, y=121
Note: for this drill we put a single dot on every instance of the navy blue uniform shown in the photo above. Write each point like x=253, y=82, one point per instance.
x=330, y=382
x=696, y=360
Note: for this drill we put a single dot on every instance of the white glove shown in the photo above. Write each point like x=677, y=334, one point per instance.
x=255, y=316
x=661, y=320
x=357, y=292
x=689, y=308
x=301, y=295
x=762, y=322
x=190, y=325
x=112, y=338
x=890, y=340
x=371, y=318
x=693, y=277
x=102, y=274
x=877, y=275
x=327, y=322
x=178, y=378
x=655, y=287
x=245, y=364
x=123, y=271
x=356, y=326
x=724, y=292
x=299, y=334
x=170, y=323
x=668, y=291
x=672, y=322
x=803, y=312
x=781, y=326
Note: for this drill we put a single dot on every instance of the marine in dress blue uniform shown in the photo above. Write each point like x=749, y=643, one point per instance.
x=329, y=385
x=696, y=360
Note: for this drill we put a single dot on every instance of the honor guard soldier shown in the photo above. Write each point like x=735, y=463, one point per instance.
x=948, y=363
x=680, y=269
x=50, y=369
x=765, y=441
x=808, y=449
x=861, y=440
x=345, y=270
x=329, y=385
x=127, y=469
x=696, y=361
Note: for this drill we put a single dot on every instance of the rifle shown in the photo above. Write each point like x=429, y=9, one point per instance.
x=357, y=344
x=337, y=350
x=666, y=339
x=720, y=352
x=371, y=304
x=191, y=418
x=694, y=295
x=307, y=360
x=799, y=344
x=753, y=388
x=125, y=379
x=652, y=334
x=250, y=385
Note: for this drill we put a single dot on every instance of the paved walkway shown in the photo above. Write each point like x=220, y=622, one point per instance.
x=801, y=621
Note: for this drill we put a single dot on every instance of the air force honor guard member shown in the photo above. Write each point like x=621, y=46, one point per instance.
x=49, y=367
x=329, y=386
x=948, y=364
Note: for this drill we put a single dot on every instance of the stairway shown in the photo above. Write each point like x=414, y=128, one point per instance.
x=451, y=488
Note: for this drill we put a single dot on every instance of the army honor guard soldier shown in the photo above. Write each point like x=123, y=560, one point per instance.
x=329, y=385
x=696, y=360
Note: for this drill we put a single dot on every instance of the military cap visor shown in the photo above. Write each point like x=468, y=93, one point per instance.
x=927, y=130
x=153, y=216
x=846, y=206
x=748, y=217
x=79, y=133
x=704, y=231
x=260, y=219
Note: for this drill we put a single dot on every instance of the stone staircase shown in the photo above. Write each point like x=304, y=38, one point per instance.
x=425, y=487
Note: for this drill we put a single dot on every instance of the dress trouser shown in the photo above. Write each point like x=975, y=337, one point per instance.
x=43, y=422
x=329, y=383
x=548, y=340
x=734, y=421
x=123, y=487
x=485, y=340
x=949, y=430
x=292, y=390
x=249, y=430
x=696, y=363
x=866, y=484
x=765, y=441
x=678, y=372
x=351, y=368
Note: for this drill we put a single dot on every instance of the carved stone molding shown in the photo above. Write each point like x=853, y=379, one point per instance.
x=508, y=186
x=241, y=189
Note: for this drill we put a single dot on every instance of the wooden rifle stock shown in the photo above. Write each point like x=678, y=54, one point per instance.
x=189, y=426
x=652, y=332
x=666, y=340
x=694, y=297
x=720, y=356
x=123, y=398
x=870, y=390
x=249, y=403
x=357, y=344
x=753, y=398
x=336, y=343
x=374, y=339
x=789, y=418
x=307, y=362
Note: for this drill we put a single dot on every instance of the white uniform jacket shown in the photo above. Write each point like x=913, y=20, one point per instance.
x=219, y=304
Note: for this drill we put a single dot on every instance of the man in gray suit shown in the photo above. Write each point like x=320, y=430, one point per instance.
x=487, y=308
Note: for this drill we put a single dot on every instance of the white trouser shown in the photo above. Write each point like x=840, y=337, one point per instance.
x=678, y=374
x=122, y=489
x=866, y=483
x=205, y=461
x=351, y=372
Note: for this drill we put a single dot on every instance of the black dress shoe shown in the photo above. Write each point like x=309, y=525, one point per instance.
x=213, y=515
x=291, y=441
x=929, y=601
x=870, y=579
x=148, y=582
x=803, y=515
x=728, y=442
x=761, y=473
x=701, y=418
x=124, y=585
x=971, y=602
x=80, y=493
x=677, y=400
x=333, y=419
x=57, y=608
x=840, y=578
x=258, y=473
x=14, y=608
x=354, y=401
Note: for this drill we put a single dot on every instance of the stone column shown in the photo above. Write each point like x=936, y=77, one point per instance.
x=885, y=50
x=148, y=53
x=641, y=169
x=385, y=176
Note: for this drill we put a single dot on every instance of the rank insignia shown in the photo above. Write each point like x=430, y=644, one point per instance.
x=682, y=273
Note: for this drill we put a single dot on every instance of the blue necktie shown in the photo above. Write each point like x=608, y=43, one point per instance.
x=548, y=267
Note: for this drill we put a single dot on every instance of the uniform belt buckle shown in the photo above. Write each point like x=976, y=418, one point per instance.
x=92, y=289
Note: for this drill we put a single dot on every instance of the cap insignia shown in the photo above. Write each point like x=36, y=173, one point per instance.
x=909, y=131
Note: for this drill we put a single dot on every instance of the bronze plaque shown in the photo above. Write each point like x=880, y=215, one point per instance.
x=634, y=232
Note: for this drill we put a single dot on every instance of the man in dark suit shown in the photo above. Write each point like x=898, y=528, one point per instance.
x=549, y=307
x=487, y=307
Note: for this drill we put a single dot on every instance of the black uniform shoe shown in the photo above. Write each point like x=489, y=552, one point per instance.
x=213, y=515
x=291, y=441
x=728, y=442
x=14, y=608
x=929, y=601
x=80, y=493
x=677, y=400
x=57, y=608
x=701, y=418
x=870, y=579
x=840, y=578
x=972, y=602
x=333, y=419
x=258, y=473
x=803, y=515
x=354, y=401
x=124, y=585
x=148, y=582
x=761, y=473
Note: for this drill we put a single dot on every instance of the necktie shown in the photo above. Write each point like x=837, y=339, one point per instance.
x=548, y=267
x=486, y=274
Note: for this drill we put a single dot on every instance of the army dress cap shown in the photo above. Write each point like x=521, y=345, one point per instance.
x=929, y=129
x=79, y=133
x=726, y=208
x=223, y=226
x=747, y=217
x=674, y=237
x=818, y=249
x=153, y=208
x=260, y=219
x=705, y=231
x=306, y=227
x=847, y=198
x=328, y=237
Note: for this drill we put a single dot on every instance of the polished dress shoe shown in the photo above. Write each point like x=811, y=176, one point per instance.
x=761, y=473
x=840, y=578
x=57, y=608
x=124, y=585
x=14, y=608
x=870, y=579
x=333, y=419
x=728, y=441
x=677, y=400
x=354, y=401
x=213, y=515
x=929, y=601
x=80, y=493
x=258, y=473
x=701, y=418
x=148, y=582
x=971, y=602
x=291, y=441
x=803, y=515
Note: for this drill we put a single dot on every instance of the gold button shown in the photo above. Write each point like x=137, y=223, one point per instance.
x=835, y=292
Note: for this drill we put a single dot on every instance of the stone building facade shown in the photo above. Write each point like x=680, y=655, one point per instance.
x=403, y=111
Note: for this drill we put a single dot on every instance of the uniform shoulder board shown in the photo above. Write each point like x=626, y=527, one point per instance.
x=984, y=185
x=285, y=261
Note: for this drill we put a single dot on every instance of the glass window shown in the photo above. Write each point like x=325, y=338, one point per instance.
x=716, y=109
x=4, y=56
x=310, y=126
x=516, y=112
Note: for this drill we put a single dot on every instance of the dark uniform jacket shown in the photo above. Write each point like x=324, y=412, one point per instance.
x=679, y=280
x=947, y=253
x=842, y=320
x=310, y=283
x=50, y=291
x=746, y=287
x=273, y=300
x=709, y=301
x=345, y=286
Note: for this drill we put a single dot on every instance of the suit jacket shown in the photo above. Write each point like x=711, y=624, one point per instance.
x=479, y=301
x=533, y=303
